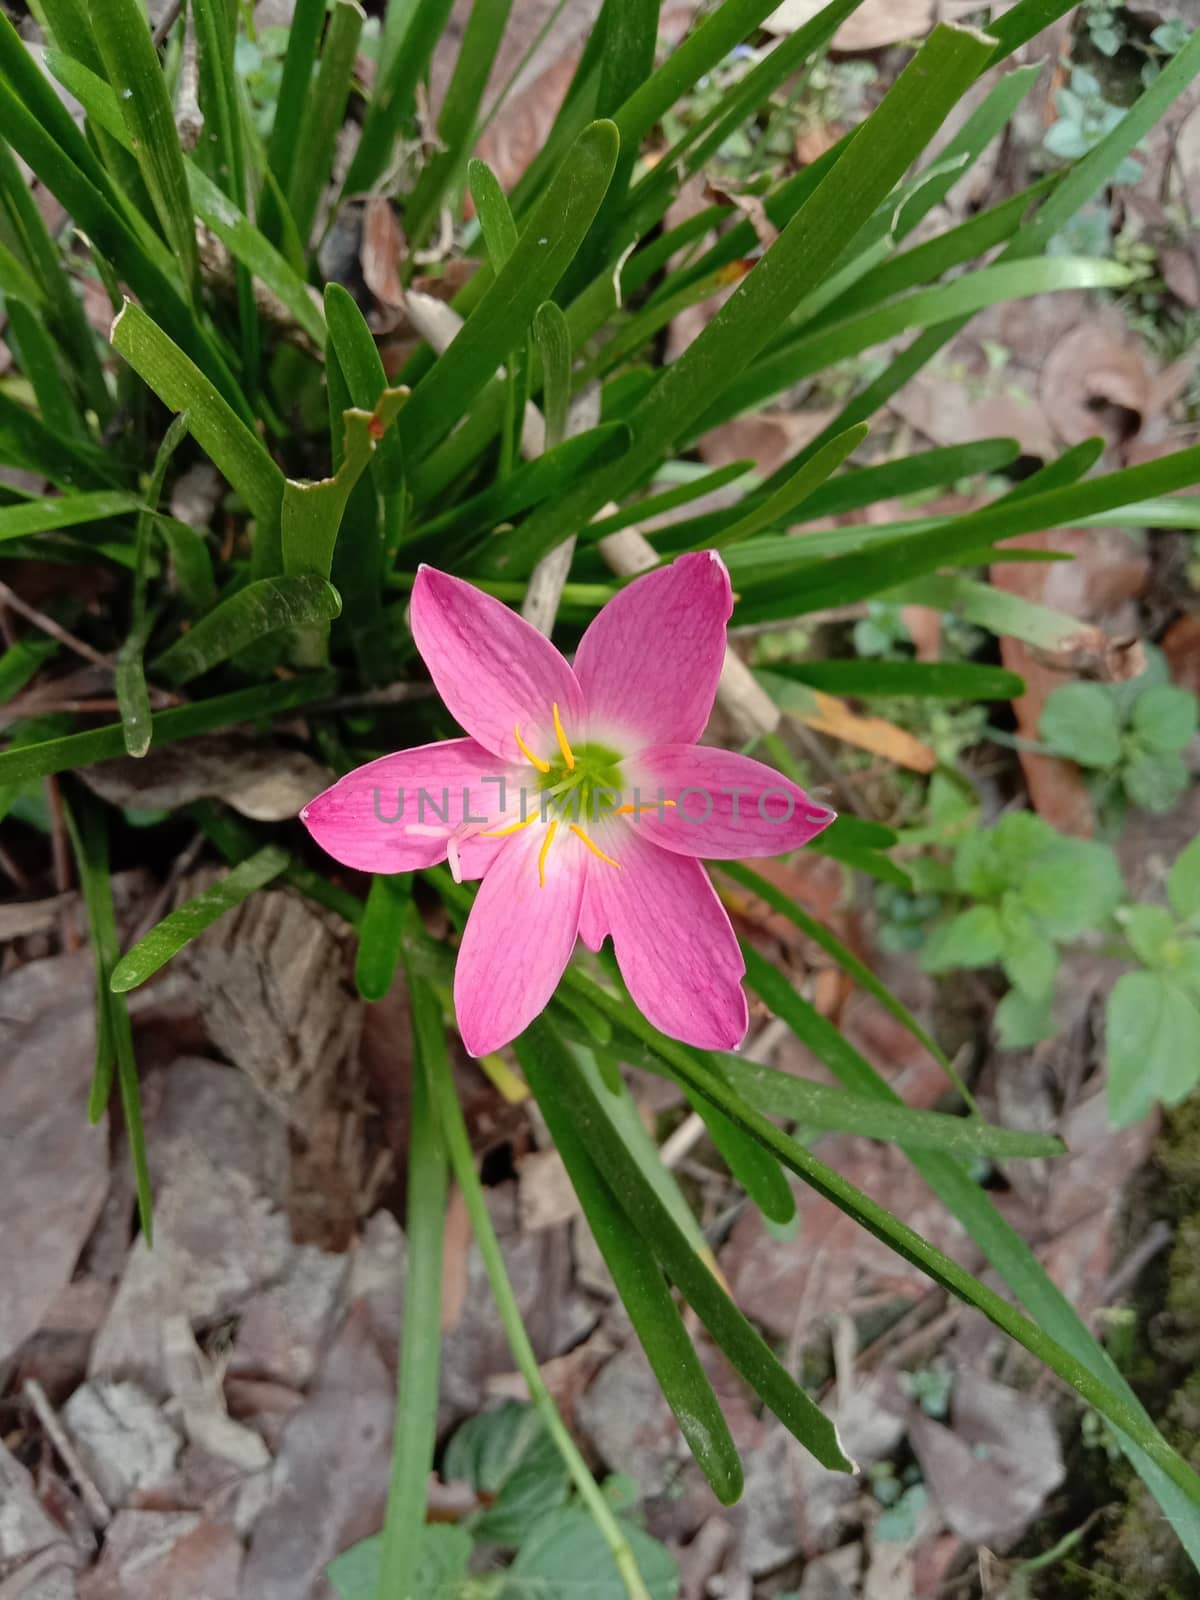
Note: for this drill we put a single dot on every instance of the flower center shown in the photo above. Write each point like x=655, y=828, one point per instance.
x=588, y=785
x=581, y=785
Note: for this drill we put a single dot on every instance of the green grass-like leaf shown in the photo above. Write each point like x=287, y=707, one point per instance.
x=24, y=762
x=636, y=1273
x=114, y=1036
x=168, y=937
x=547, y=243
x=262, y=608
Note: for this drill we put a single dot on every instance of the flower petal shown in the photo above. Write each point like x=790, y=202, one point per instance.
x=396, y=814
x=519, y=937
x=650, y=661
x=673, y=940
x=494, y=671
x=726, y=805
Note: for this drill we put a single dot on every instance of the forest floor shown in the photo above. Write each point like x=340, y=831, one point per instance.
x=212, y=1417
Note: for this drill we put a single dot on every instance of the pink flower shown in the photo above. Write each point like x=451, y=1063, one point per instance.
x=581, y=798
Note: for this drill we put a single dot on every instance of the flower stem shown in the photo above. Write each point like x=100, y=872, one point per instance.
x=461, y=1160
x=420, y=1345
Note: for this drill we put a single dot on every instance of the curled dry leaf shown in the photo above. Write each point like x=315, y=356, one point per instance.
x=1096, y=381
x=949, y=411
x=1105, y=576
x=751, y=207
x=382, y=250
x=265, y=782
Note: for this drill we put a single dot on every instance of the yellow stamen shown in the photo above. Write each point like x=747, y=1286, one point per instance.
x=542, y=766
x=544, y=852
x=567, y=754
x=595, y=849
x=515, y=827
x=646, y=805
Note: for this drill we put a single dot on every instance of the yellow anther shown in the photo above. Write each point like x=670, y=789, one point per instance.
x=646, y=805
x=544, y=852
x=514, y=827
x=542, y=766
x=567, y=755
x=595, y=849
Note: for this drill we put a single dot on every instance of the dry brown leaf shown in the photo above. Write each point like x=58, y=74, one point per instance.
x=520, y=130
x=769, y=439
x=925, y=626
x=284, y=1329
x=165, y=1555
x=1183, y=171
x=398, y=337
x=546, y=1196
x=263, y=781
x=30, y=1539
x=875, y=23
x=218, y=1152
x=812, y=143
x=949, y=411
x=1180, y=268
x=831, y=1263
x=1096, y=381
x=273, y=981
x=382, y=250
x=198, y=1402
x=834, y=717
x=1181, y=646
x=456, y=1246
x=329, y=1486
x=992, y=1470
x=124, y=1440
x=55, y=1165
x=556, y=1313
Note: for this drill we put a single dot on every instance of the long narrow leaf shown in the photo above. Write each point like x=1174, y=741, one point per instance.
x=132, y=67
x=168, y=937
x=381, y=936
x=712, y=1305
x=547, y=244
x=421, y=1337
x=245, y=242
x=262, y=608
x=944, y=680
x=44, y=514
x=873, y=162
x=181, y=386
x=324, y=113
x=23, y=762
x=637, y=1276
x=89, y=839
x=1111, y=1398
x=928, y=307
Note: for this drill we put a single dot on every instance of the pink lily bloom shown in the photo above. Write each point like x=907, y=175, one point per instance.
x=582, y=800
